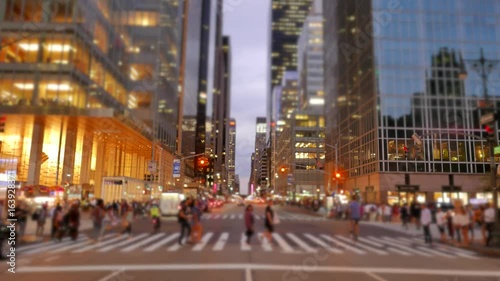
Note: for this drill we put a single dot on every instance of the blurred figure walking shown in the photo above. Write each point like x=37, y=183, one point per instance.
x=249, y=222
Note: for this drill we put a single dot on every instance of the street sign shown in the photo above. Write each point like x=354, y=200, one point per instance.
x=487, y=119
x=289, y=179
x=451, y=188
x=177, y=168
x=151, y=166
x=407, y=188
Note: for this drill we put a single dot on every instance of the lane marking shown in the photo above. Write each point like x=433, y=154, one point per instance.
x=282, y=243
x=49, y=259
x=98, y=244
x=233, y=217
x=323, y=244
x=301, y=243
x=265, y=267
x=221, y=242
x=451, y=250
x=217, y=217
x=376, y=244
x=343, y=245
x=240, y=217
x=203, y=242
x=123, y=243
x=359, y=245
x=248, y=274
x=112, y=275
x=143, y=242
x=162, y=242
x=244, y=246
x=224, y=217
x=375, y=276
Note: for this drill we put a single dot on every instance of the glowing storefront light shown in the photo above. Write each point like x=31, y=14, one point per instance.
x=59, y=87
x=29, y=47
x=317, y=101
x=27, y=86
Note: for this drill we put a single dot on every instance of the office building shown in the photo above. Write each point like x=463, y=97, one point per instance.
x=310, y=61
x=387, y=81
x=287, y=19
x=89, y=93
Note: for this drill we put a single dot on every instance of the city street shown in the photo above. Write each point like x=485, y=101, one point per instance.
x=305, y=248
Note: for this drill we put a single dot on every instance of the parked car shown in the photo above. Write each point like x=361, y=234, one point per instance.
x=4, y=239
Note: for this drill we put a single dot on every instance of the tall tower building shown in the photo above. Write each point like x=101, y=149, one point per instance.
x=408, y=79
x=287, y=19
x=221, y=112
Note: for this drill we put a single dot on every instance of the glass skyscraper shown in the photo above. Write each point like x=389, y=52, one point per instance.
x=287, y=19
x=397, y=68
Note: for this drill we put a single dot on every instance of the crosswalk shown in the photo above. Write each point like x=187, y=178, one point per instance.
x=282, y=217
x=283, y=243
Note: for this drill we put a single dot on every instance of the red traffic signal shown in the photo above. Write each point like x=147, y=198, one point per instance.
x=490, y=130
x=282, y=169
x=203, y=161
x=338, y=175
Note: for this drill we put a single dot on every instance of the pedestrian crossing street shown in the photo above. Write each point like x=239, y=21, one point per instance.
x=283, y=243
x=282, y=217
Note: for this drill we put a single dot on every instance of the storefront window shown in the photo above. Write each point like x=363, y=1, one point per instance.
x=450, y=197
x=25, y=51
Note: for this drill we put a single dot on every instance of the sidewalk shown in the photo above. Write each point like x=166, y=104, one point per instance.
x=30, y=233
x=412, y=231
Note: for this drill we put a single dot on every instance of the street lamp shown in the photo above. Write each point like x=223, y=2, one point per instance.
x=484, y=67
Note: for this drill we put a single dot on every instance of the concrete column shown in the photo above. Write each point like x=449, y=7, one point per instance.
x=88, y=142
x=69, y=155
x=36, y=151
x=100, y=168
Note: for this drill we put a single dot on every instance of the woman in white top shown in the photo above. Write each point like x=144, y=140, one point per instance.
x=461, y=221
x=441, y=223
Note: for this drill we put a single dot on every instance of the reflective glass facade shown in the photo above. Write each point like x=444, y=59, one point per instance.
x=395, y=68
x=88, y=87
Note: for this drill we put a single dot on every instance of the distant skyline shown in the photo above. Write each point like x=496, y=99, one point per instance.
x=247, y=23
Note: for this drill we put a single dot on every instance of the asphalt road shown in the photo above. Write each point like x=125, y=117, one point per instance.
x=305, y=248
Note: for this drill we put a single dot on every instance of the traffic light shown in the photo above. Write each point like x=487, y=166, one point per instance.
x=202, y=161
x=283, y=170
x=338, y=175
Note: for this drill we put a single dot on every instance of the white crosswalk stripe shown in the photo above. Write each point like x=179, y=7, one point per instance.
x=53, y=246
x=162, y=242
x=123, y=243
x=233, y=217
x=243, y=243
x=99, y=244
x=286, y=243
x=142, y=243
x=221, y=242
x=265, y=243
x=203, y=242
x=240, y=217
x=282, y=243
x=323, y=244
x=301, y=243
x=343, y=245
x=401, y=245
x=39, y=245
x=365, y=247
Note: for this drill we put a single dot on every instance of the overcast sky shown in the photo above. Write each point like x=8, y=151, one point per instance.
x=247, y=23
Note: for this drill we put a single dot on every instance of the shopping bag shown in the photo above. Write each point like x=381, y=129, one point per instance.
x=276, y=219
